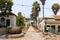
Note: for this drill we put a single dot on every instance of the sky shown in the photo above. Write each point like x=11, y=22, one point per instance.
x=26, y=9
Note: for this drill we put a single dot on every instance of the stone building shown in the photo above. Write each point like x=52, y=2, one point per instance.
x=50, y=24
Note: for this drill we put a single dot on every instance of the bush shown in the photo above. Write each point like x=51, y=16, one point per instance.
x=20, y=20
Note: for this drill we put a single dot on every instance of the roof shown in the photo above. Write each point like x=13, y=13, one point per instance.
x=41, y=19
x=57, y=16
x=48, y=17
x=53, y=22
x=3, y=14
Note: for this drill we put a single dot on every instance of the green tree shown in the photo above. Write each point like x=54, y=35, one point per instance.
x=20, y=20
x=55, y=8
x=5, y=5
x=35, y=11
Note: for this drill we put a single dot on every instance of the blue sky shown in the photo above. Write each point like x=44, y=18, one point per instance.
x=26, y=10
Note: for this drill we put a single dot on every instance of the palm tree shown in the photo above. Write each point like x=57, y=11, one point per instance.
x=55, y=8
x=35, y=11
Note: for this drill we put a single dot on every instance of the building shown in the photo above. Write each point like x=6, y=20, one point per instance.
x=28, y=22
x=7, y=19
x=50, y=24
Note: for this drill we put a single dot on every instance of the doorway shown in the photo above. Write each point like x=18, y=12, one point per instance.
x=59, y=29
x=8, y=22
x=53, y=29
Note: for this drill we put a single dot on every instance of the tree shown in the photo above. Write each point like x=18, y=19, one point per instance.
x=35, y=11
x=20, y=20
x=55, y=8
x=5, y=5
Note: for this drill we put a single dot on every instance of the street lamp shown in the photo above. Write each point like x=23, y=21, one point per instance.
x=43, y=3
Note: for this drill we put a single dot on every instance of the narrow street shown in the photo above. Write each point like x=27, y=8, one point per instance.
x=31, y=34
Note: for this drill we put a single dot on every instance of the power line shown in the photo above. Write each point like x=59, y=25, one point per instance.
x=22, y=5
x=28, y=5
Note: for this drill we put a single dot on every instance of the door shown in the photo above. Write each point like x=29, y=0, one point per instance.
x=8, y=22
x=53, y=29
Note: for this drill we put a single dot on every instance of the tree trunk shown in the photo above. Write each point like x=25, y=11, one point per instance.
x=36, y=22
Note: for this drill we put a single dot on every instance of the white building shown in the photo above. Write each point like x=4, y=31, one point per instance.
x=50, y=24
x=7, y=19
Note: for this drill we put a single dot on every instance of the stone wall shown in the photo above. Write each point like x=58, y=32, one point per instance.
x=3, y=31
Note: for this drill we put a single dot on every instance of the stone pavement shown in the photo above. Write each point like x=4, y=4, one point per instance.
x=31, y=34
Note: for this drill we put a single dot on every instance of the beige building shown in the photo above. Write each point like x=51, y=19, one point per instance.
x=50, y=24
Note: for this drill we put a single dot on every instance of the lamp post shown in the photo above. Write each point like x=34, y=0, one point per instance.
x=43, y=3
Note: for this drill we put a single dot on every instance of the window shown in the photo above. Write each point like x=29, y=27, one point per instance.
x=48, y=25
x=3, y=21
x=58, y=28
x=53, y=29
x=48, y=28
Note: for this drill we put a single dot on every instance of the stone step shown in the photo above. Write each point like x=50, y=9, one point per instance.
x=16, y=35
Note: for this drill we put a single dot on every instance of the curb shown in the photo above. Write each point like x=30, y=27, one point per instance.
x=15, y=35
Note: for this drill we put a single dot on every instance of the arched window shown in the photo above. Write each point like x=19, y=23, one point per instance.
x=3, y=21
